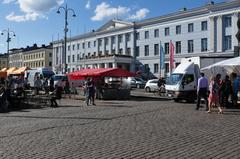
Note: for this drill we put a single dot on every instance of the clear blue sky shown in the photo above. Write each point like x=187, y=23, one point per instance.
x=36, y=21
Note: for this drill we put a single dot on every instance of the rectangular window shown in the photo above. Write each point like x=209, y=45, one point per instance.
x=94, y=43
x=113, y=39
x=137, y=36
x=178, y=47
x=119, y=38
x=89, y=44
x=78, y=46
x=73, y=58
x=228, y=42
x=120, y=51
x=146, y=34
x=190, y=27
x=78, y=57
x=204, y=25
x=156, y=33
x=156, y=67
x=137, y=51
x=69, y=58
x=156, y=49
x=146, y=68
x=166, y=67
x=128, y=51
x=166, y=48
x=146, y=50
x=128, y=37
x=69, y=48
x=83, y=45
x=190, y=46
x=100, y=42
x=73, y=47
x=178, y=29
x=228, y=21
x=204, y=44
x=167, y=31
x=106, y=41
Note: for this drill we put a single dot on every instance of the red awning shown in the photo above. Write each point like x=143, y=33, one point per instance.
x=100, y=72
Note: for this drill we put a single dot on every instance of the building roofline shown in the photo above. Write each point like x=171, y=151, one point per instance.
x=206, y=9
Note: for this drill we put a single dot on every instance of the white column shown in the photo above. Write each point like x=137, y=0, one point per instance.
x=124, y=44
x=219, y=34
x=114, y=64
x=117, y=44
x=132, y=42
x=110, y=45
x=234, y=29
x=105, y=65
x=212, y=40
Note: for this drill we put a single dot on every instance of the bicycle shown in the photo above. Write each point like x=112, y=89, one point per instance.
x=160, y=91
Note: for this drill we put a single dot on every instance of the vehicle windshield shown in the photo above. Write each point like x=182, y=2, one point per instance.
x=57, y=78
x=174, y=79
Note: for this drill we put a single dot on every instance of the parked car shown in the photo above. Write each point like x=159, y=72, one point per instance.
x=137, y=82
x=151, y=85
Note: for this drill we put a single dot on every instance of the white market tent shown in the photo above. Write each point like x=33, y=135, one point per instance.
x=223, y=67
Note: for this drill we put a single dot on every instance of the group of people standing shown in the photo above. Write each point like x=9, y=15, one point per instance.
x=217, y=91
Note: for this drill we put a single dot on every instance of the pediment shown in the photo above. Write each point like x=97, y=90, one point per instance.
x=113, y=24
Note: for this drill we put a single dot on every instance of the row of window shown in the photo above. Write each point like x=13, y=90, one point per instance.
x=178, y=49
x=35, y=56
x=37, y=64
x=190, y=44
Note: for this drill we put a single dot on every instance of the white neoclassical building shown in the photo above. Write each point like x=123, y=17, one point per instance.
x=207, y=31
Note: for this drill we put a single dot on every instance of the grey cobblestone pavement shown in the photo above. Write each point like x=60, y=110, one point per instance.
x=137, y=128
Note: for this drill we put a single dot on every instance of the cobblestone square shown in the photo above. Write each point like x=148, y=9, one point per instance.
x=138, y=128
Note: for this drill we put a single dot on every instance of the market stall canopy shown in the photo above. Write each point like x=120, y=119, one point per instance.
x=100, y=72
x=3, y=74
x=223, y=67
x=10, y=70
x=20, y=70
x=4, y=69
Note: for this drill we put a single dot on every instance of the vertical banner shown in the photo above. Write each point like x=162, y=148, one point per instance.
x=171, y=60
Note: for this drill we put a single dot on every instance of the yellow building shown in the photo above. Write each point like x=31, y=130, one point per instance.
x=3, y=61
x=37, y=58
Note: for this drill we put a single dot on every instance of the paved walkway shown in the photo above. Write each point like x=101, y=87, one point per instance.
x=138, y=128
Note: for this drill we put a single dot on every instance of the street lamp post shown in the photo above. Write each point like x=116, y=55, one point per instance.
x=10, y=34
x=64, y=56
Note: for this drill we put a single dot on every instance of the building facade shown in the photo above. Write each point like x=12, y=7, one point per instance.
x=3, y=61
x=38, y=58
x=15, y=58
x=205, y=31
x=32, y=57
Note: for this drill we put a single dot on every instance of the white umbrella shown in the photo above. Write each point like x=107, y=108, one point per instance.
x=223, y=67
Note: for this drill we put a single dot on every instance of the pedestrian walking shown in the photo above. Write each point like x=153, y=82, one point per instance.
x=235, y=89
x=90, y=91
x=202, y=90
x=213, y=98
x=225, y=92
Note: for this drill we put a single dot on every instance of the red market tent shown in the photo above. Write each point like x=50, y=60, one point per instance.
x=100, y=72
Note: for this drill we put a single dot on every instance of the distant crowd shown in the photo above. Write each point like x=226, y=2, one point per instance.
x=218, y=92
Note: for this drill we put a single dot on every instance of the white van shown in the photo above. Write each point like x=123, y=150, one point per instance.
x=31, y=74
x=182, y=83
